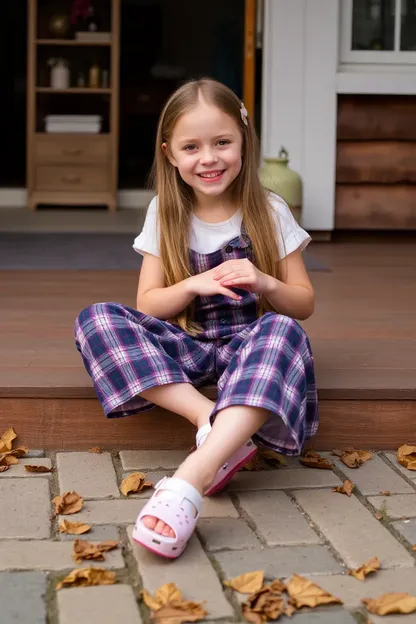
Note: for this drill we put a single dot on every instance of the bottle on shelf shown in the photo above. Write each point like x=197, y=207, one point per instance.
x=59, y=78
x=94, y=76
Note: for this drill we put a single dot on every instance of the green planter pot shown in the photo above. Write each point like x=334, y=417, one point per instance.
x=277, y=176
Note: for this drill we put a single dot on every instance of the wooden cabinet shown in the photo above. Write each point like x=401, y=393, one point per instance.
x=72, y=168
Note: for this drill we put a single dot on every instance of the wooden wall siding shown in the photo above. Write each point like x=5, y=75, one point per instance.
x=376, y=163
x=377, y=117
x=375, y=206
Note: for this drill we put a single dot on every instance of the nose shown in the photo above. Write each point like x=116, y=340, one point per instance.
x=208, y=156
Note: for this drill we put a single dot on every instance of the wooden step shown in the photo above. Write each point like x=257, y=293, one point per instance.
x=78, y=423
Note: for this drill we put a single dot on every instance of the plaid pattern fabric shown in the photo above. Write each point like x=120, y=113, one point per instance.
x=262, y=362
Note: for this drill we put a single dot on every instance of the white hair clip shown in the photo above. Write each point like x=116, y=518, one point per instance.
x=244, y=114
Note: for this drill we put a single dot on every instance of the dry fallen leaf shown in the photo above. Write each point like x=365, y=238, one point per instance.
x=289, y=611
x=337, y=452
x=406, y=456
x=135, y=482
x=414, y=547
x=9, y=458
x=169, y=607
x=6, y=440
x=354, y=458
x=247, y=583
x=312, y=459
x=264, y=460
x=391, y=603
x=346, y=488
x=68, y=503
x=267, y=603
x=32, y=468
x=272, y=457
x=379, y=516
x=163, y=596
x=73, y=528
x=94, y=449
x=82, y=549
x=180, y=612
x=86, y=577
x=372, y=565
x=304, y=593
x=385, y=493
x=4, y=468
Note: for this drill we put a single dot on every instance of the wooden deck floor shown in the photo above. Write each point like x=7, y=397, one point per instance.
x=363, y=333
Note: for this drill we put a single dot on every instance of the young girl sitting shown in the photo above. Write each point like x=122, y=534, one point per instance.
x=221, y=283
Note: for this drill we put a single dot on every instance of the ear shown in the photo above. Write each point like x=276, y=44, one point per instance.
x=168, y=154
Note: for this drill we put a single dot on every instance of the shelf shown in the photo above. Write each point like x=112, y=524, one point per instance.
x=83, y=90
x=71, y=42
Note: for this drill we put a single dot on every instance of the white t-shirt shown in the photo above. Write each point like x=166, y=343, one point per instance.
x=208, y=237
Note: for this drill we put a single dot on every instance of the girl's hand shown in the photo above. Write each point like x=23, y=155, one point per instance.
x=204, y=285
x=241, y=274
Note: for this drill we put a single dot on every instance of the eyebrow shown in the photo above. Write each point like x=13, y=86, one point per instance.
x=219, y=136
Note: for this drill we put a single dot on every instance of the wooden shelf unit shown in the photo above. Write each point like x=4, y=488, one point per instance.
x=67, y=168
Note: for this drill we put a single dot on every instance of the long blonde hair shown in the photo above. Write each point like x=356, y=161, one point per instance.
x=175, y=197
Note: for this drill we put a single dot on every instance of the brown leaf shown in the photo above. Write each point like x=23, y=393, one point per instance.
x=82, y=549
x=386, y=493
x=179, y=613
x=169, y=607
x=406, y=456
x=6, y=440
x=379, y=516
x=4, y=468
x=337, y=452
x=372, y=565
x=414, y=547
x=252, y=616
x=312, y=459
x=86, y=577
x=290, y=609
x=304, y=593
x=391, y=603
x=253, y=464
x=134, y=482
x=94, y=449
x=267, y=602
x=346, y=488
x=73, y=528
x=32, y=468
x=354, y=458
x=247, y=583
x=9, y=458
x=163, y=596
x=68, y=503
x=272, y=457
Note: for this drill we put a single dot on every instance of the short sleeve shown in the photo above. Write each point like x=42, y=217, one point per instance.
x=289, y=233
x=148, y=239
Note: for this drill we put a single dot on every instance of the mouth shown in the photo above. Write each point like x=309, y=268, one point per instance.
x=211, y=176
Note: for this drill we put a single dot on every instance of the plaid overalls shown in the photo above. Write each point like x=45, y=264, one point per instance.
x=262, y=362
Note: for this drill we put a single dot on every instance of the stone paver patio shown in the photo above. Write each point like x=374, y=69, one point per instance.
x=282, y=521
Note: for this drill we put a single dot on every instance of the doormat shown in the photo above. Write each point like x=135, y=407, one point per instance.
x=61, y=251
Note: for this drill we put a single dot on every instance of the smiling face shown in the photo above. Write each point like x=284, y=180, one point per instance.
x=206, y=148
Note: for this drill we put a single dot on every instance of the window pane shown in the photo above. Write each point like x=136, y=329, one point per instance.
x=373, y=25
x=408, y=29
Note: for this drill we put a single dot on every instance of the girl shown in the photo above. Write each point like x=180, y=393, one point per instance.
x=221, y=281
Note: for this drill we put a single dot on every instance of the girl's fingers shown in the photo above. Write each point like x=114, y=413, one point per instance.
x=230, y=293
x=223, y=273
x=236, y=281
x=230, y=277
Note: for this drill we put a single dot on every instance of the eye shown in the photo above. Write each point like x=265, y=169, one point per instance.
x=224, y=142
x=190, y=147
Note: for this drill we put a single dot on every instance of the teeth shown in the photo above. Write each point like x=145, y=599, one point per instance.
x=210, y=175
